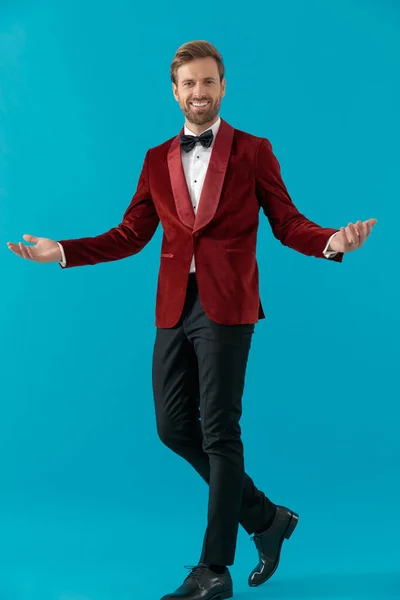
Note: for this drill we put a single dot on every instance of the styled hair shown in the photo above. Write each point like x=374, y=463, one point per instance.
x=191, y=51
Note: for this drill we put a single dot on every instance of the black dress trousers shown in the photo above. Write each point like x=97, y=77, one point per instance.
x=199, y=371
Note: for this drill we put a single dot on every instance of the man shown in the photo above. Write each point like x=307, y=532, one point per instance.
x=206, y=186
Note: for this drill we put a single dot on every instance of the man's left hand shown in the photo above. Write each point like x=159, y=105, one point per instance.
x=351, y=237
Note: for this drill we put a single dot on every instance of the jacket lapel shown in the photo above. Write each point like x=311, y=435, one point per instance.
x=214, y=180
x=212, y=187
x=178, y=183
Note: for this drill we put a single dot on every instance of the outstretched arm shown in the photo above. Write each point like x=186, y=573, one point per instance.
x=138, y=226
x=288, y=225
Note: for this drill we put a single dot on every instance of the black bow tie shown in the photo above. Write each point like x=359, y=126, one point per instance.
x=188, y=142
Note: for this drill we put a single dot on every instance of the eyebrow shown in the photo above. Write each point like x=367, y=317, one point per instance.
x=204, y=79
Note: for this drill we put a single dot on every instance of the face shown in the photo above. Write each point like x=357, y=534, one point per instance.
x=198, y=81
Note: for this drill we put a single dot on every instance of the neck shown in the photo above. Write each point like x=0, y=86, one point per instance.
x=199, y=129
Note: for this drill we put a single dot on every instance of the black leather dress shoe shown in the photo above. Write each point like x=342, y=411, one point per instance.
x=203, y=584
x=269, y=544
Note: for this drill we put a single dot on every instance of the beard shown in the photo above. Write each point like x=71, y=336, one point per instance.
x=203, y=116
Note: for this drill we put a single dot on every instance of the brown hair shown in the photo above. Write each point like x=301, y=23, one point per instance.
x=192, y=50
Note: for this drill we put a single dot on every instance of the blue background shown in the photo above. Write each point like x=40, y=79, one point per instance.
x=92, y=505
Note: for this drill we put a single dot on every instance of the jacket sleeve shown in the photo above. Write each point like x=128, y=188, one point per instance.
x=136, y=229
x=288, y=225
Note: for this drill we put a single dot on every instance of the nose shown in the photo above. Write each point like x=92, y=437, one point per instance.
x=199, y=90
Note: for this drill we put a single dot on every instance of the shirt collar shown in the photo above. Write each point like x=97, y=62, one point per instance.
x=214, y=129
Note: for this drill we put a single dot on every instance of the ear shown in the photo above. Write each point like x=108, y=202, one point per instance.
x=223, y=87
x=175, y=92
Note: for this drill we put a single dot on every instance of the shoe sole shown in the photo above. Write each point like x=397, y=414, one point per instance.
x=294, y=519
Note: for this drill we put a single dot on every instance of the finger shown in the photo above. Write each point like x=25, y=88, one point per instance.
x=28, y=250
x=352, y=235
x=14, y=248
x=30, y=238
x=355, y=233
x=368, y=227
x=365, y=231
x=371, y=222
x=23, y=251
x=362, y=232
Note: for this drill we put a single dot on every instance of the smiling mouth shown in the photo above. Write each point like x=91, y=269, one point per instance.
x=199, y=105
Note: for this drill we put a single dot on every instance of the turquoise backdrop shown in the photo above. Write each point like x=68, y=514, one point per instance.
x=92, y=505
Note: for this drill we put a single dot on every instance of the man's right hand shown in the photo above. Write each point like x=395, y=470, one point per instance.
x=44, y=250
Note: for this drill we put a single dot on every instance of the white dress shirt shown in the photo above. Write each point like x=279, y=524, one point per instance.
x=195, y=164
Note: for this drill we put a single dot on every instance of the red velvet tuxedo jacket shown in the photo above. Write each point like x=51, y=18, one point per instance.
x=243, y=175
